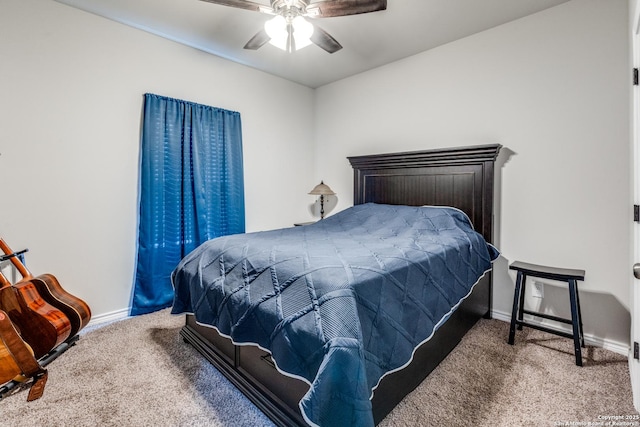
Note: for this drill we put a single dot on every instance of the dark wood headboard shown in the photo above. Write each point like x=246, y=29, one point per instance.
x=459, y=177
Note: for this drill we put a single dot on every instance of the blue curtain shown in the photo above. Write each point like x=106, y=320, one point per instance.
x=191, y=190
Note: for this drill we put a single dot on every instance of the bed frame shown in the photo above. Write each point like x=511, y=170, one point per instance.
x=459, y=177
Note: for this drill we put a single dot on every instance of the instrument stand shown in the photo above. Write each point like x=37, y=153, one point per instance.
x=43, y=361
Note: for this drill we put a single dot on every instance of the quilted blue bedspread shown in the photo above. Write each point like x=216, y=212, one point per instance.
x=339, y=303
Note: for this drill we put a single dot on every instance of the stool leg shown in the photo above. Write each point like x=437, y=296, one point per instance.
x=514, y=312
x=523, y=291
x=575, y=321
x=580, y=317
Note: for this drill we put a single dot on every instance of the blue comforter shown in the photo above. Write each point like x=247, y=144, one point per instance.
x=339, y=303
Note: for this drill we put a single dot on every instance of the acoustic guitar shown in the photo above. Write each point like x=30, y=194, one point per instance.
x=17, y=362
x=40, y=324
x=52, y=292
x=9, y=369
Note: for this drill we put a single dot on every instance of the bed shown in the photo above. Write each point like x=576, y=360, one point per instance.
x=366, y=355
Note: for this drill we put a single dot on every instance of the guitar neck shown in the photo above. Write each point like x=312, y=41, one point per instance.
x=22, y=269
x=4, y=282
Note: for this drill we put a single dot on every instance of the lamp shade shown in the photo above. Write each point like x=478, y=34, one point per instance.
x=289, y=34
x=322, y=189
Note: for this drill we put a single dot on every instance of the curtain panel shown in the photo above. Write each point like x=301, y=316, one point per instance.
x=191, y=190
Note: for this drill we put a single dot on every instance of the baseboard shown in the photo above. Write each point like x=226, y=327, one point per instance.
x=615, y=346
x=104, y=318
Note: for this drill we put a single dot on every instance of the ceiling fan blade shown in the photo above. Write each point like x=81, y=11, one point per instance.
x=260, y=39
x=323, y=39
x=330, y=8
x=240, y=4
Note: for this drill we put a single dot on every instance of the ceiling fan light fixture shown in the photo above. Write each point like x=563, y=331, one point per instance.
x=276, y=28
x=302, y=31
x=289, y=30
x=281, y=30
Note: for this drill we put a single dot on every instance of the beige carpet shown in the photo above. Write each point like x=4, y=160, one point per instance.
x=139, y=372
x=487, y=382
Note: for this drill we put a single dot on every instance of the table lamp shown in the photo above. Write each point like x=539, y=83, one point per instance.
x=322, y=190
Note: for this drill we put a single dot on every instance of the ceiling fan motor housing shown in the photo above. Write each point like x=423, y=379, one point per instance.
x=290, y=8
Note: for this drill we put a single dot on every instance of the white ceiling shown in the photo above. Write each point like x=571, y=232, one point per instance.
x=369, y=40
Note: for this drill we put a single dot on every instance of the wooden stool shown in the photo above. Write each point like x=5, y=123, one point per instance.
x=552, y=273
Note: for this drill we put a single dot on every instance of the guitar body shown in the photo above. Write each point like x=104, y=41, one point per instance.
x=17, y=361
x=9, y=369
x=40, y=324
x=73, y=307
x=50, y=290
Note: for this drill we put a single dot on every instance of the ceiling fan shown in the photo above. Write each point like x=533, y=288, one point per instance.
x=290, y=31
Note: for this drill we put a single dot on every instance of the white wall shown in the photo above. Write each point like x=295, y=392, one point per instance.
x=71, y=87
x=554, y=89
